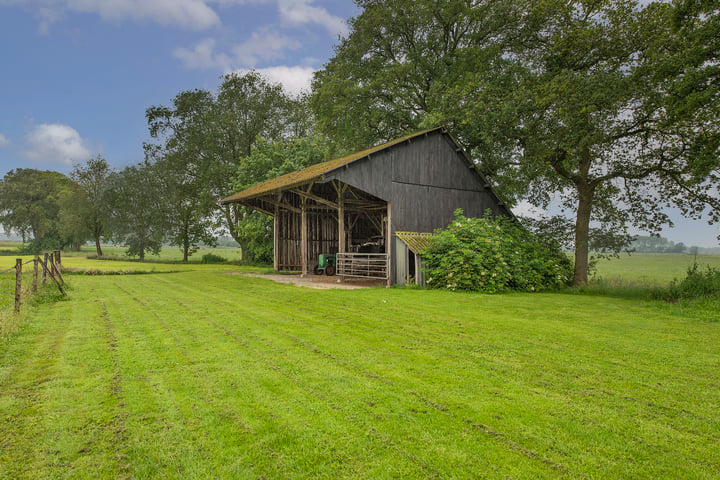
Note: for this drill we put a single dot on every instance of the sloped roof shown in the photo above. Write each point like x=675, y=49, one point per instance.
x=316, y=171
x=415, y=241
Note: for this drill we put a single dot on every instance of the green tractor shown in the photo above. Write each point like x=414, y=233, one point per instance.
x=326, y=264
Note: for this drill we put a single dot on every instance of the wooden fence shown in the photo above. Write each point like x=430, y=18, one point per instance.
x=51, y=264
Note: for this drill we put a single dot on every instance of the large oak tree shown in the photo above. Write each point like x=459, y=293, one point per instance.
x=581, y=102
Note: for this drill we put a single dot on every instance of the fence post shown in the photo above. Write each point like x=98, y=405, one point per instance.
x=18, y=283
x=45, y=269
x=36, y=260
x=54, y=270
x=58, y=260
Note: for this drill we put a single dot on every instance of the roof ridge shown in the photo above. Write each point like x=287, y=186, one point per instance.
x=313, y=171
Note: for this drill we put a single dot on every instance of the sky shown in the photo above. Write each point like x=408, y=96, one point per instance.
x=76, y=76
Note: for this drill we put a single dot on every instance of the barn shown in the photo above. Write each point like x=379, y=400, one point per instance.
x=375, y=208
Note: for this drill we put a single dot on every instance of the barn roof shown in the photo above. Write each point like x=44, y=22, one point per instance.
x=316, y=171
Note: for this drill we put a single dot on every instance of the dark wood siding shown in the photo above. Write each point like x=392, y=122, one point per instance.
x=425, y=181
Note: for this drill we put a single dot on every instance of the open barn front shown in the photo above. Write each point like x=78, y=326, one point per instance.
x=332, y=220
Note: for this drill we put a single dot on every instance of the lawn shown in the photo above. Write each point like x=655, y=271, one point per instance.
x=205, y=373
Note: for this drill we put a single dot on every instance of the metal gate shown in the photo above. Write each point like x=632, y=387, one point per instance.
x=364, y=265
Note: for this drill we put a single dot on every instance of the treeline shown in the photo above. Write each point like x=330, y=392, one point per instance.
x=609, y=107
x=657, y=244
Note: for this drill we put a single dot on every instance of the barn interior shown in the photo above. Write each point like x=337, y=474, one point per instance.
x=328, y=217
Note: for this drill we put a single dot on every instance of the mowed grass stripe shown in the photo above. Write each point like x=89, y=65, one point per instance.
x=601, y=416
x=67, y=413
x=295, y=370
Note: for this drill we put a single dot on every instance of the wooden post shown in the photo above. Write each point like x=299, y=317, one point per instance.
x=303, y=237
x=36, y=260
x=389, y=247
x=45, y=269
x=54, y=270
x=58, y=260
x=342, y=247
x=276, y=238
x=18, y=283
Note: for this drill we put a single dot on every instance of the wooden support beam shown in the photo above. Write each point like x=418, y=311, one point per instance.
x=276, y=203
x=303, y=239
x=389, y=246
x=276, y=239
x=316, y=198
x=342, y=248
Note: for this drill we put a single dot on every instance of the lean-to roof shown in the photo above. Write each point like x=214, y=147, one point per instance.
x=415, y=241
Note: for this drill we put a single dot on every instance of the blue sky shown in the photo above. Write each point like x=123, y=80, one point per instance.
x=77, y=75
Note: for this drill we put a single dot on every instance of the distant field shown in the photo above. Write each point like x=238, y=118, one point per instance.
x=207, y=374
x=651, y=268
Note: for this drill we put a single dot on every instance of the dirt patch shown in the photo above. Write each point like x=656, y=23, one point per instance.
x=320, y=281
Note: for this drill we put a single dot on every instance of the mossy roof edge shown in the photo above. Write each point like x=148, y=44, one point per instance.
x=316, y=171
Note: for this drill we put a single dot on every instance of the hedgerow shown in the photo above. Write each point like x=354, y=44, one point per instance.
x=492, y=254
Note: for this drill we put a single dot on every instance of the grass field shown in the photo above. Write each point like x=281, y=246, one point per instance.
x=199, y=372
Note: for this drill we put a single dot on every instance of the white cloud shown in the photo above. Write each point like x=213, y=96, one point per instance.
x=192, y=14
x=4, y=142
x=300, y=12
x=55, y=143
x=263, y=45
x=295, y=79
x=202, y=56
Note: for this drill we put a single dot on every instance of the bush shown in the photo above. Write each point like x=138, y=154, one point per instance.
x=492, y=254
x=212, y=258
x=696, y=284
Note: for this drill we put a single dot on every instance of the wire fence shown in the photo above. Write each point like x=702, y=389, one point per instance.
x=21, y=281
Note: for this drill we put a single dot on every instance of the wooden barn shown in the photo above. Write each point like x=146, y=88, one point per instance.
x=373, y=208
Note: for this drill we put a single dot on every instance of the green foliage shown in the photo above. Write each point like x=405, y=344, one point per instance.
x=89, y=212
x=138, y=217
x=611, y=107
x=697, y=284
x=253, y=230
x=32, y=203
x=492, y=254
x=212, y=258
x=206, y=149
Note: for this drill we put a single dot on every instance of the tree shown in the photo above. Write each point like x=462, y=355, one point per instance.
x=183, y=165
x=189, y=204
x=137, y=217
x=30, y=204
x=208, y=135
x=584, y=100
x=389, y=76
x=90, y=210
x=579, y=102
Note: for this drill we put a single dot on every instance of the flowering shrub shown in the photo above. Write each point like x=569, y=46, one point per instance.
x=492, y=254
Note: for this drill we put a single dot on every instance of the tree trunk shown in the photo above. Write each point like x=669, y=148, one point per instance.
x=186, y=248
x=582, y=236
x=231, y=223
x=98, y=248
